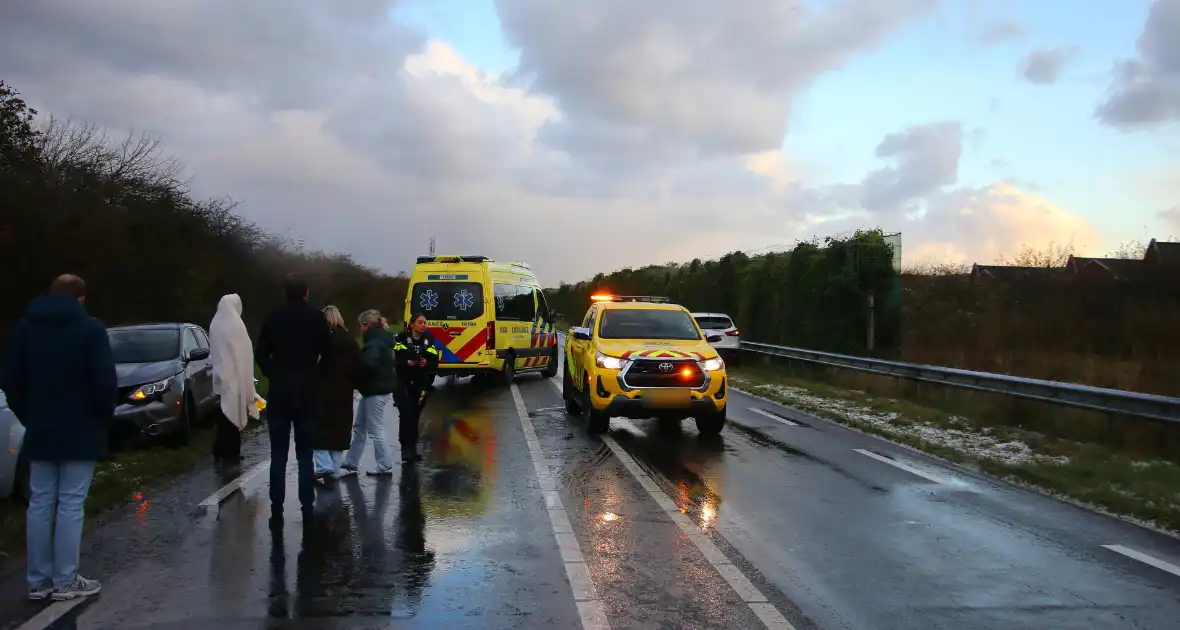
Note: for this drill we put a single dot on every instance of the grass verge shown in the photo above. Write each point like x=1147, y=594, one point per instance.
x=117, y=482
x=1147, y=490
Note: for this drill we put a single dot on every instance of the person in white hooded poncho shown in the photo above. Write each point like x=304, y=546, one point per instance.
x=232, y=355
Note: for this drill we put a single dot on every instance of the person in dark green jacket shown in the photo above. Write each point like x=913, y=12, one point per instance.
x=375, y=386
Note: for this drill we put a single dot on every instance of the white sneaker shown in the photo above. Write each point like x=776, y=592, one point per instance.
x=80, y=587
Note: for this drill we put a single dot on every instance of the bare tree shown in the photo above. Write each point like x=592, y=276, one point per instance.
x=1052, y=255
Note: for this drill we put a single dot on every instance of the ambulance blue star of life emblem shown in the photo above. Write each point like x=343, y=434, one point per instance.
x=428, y=300
x=464, y=300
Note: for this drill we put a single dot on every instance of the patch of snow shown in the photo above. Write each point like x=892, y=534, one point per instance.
x=976, y=443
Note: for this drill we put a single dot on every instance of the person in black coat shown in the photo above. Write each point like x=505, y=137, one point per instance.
x=294, y=351
x=59, y=377
x=334, y=433
x=416, y=358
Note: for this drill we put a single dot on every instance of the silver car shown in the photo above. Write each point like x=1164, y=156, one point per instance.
x=13, y=471
x=730, y=346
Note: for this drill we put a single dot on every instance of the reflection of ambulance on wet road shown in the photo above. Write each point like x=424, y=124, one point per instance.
x=488, y=318
x=461, y=471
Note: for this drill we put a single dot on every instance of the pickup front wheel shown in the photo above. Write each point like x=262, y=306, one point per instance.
x=710, y=425
x=596, y=421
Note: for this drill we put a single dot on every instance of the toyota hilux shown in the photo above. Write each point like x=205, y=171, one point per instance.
x=643, y=357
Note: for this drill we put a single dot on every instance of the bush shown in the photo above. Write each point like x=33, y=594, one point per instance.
x=117, y=213
x=812, y=296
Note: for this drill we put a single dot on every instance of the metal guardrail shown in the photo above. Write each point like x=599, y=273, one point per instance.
x=1113, y=401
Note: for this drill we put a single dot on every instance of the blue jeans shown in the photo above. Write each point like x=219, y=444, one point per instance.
x=370, y=423
x=328, y=461
x=55, y=519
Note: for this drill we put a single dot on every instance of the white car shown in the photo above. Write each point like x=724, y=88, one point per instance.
x=721, y=324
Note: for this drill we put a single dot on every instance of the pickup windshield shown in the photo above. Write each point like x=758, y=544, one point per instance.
x=620, y=323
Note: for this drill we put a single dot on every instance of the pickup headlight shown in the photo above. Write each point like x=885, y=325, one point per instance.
x=151, y=390
x=607, y=362
x=712, y=365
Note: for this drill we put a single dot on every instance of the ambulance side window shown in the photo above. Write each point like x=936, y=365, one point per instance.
x=514, y=302
x=590, y=320
x=505, y=294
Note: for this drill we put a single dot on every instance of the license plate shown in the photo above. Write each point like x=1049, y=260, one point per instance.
x=673, y=397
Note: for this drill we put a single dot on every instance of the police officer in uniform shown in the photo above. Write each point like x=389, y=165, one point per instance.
x=416, y=359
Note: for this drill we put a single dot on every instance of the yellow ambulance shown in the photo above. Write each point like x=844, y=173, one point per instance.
x=487, y=318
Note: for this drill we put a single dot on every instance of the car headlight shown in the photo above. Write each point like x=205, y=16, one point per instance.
x=712, y=365
x=608, y=363
x=151, y=390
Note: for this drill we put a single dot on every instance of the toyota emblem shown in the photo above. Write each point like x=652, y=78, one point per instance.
x=666, y=367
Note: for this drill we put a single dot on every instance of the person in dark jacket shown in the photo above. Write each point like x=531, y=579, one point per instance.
x=375, y=386
x=333, y=434
x=59, y=375
x=416, y=358
x=294, y=351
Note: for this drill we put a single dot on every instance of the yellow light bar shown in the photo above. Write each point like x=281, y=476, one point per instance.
x=601, y=297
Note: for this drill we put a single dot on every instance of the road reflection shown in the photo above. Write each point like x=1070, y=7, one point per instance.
x=694, y=467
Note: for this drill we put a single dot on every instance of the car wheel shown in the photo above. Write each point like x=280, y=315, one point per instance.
x=551, y=370
x=183, y=434
x=508, y=374
x=710, y=425
x=596, y=421
x=568, y=393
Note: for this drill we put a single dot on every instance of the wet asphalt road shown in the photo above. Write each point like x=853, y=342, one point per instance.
x=777, y=520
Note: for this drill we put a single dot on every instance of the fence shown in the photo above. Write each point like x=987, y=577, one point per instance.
x=1110, y=401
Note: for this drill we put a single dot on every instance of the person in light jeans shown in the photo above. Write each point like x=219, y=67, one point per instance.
x=375, y=389
x=59, y=377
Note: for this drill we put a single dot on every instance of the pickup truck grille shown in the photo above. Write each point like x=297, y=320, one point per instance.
x=645, y=373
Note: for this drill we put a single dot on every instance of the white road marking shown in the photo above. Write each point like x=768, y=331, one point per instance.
x=51, y=614
x=590, y=608
x=772, y=416
x=216, y=498
x=759, y=605
x=903, y=466
x=1145, y=559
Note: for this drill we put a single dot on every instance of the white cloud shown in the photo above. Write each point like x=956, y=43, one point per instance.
x=633, y=133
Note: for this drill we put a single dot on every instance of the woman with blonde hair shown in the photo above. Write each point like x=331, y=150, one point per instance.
x=335, y=427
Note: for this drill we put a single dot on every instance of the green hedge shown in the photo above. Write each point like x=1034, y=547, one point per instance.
x=813, y=296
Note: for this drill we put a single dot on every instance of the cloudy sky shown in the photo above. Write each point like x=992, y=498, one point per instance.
x=586, y=136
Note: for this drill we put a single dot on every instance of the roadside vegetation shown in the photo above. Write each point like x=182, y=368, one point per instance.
x=118, y=212
x=1095, y=328
x=1115, y=479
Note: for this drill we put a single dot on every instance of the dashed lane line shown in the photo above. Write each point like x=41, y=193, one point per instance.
x=773, y=416
x=241, y=480
x=902, y=466
x=590, y=607
x=759, y=605
x=1145, y=559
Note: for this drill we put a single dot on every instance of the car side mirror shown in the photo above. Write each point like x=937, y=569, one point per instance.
x=581, y=334
x=198, y=354
x=714, y=338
